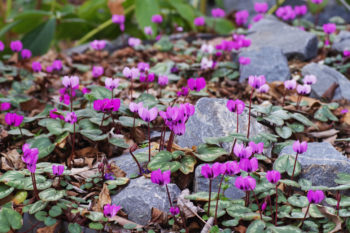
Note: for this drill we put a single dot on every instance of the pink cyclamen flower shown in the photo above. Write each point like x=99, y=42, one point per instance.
x=176, y=117
x=143, y=66
x=310, y=79
x=329, y=28
x=207, y=64
x=57, y=170
x=344, y=111
x=210, y=172
x=174, y=210
x=134, y=107
x=218, y=13
x=49, y=69
x=163, y=80
x=2, y=46
x=242, y=152
x=196, y=84
x=273, y=176
x=102, y=105
x=119, y=19
x=258, y=17
x=264, y=88
x=71, y=117
x=26, y=54
x=236, y=106
x=241, y=17
x=256, y=81
x=53, y=114
x=16, y=46
x=249, y=165
x=57, y=65
x=115, y=105
x=85, y=90
x=97, y=71
x=111, y=83
x=263, y=206
x=30, y=157
x=247, y=183
x=286, y=13
x=300, y=10
x=70, y=82
x=232, y=168
x=315, y=196
x=110, y=210
x=303, y=89
x=12, y=119
x=300, y=148
x=161, y=178
x=36, y=66
x=244, y=60
x=261, y=7
x=98, y=44
x=5, y=106
x=207, y=48
x=133, y=42
x=290, y=84
x=148, y=30
x=148, y=115
x=317, y=1
x=346, y=53
x=183, y=92
x=157, y=19
x=257, y=147
x=199, y=21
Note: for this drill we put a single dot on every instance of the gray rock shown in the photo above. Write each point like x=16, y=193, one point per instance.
x=320, y=163
x=201, y=184
x=127, y=163
x=326, y=76
x=268, y=61
x=293, y=41
x=138, y=198
x=342, y=41
x=213, y=119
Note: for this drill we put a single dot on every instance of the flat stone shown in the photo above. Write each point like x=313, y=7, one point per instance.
x=201, y=184
x=293, y=41
x=138, y=198
x=320, y=163
x=342, y=41
x=213, y=119
x=326, y=76
x=268, y=61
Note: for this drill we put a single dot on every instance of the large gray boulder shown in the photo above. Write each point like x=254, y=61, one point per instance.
x=326, y=76
x=268, y=61
x=320, y=163
x=293, y=41
x=138, y=198
x=213, y=119
x=342, y=41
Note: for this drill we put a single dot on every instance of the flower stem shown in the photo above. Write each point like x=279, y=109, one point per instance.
x=276, y=205
x=169, y=198
x=217, y=201
x=284, y=97
x=338, y=201
x=257, y=202
x=170, y=141
x=307, y=211
x=20, y=130
x=103, y=117
x=210, y=181
x=149, y=143
x=137, y=162
x=298, y=101
x=295, y=163
x=250, y=105
x=71, y=100
x=131, y=87
x=234, y=142
x=34, y=186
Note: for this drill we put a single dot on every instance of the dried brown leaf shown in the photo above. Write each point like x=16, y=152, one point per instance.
x=324, y=134
x=103, y=199
x=159, y=216
x=49, y=229
x=334, y=218
x=186, y=206
x=14, y=159
x=117, y=171
x=87, y=152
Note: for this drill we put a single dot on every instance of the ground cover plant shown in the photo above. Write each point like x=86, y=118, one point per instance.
x=180, y=127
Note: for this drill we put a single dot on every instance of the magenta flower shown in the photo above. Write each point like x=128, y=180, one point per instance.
x=97, y=71
x=148, y=115
x=238, y=42
x=261, y=7
x=30, y=157
x=71, y=82
x=163, y=80
x=196, y=84
x=207, y=48
x=26, y=54
x=111, y=83
x=157, y=19
x=346, y=53
x=85, y=90
x=49, y=69
x=247, y=183
x=16, y=46
x=244, y=60
x=71, y=118
x=57, y=170
x=161, y=178
x=242, y=152
x=344, y=111
x=300, y=148
x=183, y=92
x=174, y=210
x=5, y=106
x=57, y=65
x=207, y=64
x=232, y=168
x=329, y=28
x=263, y=206
x=273, y=176
x=12, y=119
x=241, y=17
x=300, y=10
x=257, y=148
x=53, y=114
x=290, y=84
x=258, y=17
x=176, y=117
x=248, y=165
x=199, y=21
x=110, y=210
x=119, y=19
x=98, y=45
x=114, y=105
x=264, y=88
x=256, y=81
x=36, y=66
x=303, y=89
x=286, y=13
x=102, y=105
x=236, y=106
x=143, y=66
x=210, y=172
x=134, y=107
x=218, y=13
x=317, y=1
x=148, y=30
x=2, y=46
x=310, y=79
x=132, y=73
x=133, y=42
x=315, y=196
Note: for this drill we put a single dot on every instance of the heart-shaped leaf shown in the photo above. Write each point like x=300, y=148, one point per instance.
x=285, y=163
x=52, y=194
x=208, y=153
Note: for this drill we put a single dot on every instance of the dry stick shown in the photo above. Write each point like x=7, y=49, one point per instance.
x=257, y=202
x=307, y=210
x=217, y=201
x=250, y=108
x=210, y=181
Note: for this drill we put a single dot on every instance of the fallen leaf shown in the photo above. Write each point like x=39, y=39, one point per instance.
x=310, y=101
x=117, y=171
x=208, y=225
x=122, y=221
x=116, y=7
x=49, y=229
x=87, y=152
x=159, y=216
x=336, y=219
x=14, y=159
x=186, y=206
x=103, y=199
x=329, y=93
x=324, y=134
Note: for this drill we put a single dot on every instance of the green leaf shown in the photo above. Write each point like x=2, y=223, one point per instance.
x=163, y=160
x=184, y=10
x=187, y=164
x=119, y=142
x=209, y=153
x=148, y=100
x=144, y=10
x=37, y=206
x=130, y=226
x=276, y=120
x=301, y=118
x=284, y=132
x=230, y=223
x=290, y=183
x=118, y=181
x=52, y=194
x=18, y=132
x=201, y=196
x=129, y=121
x=95, y=226
x=344, y=201
x=296, y=127
x=44, y=145
x=94, y=135
x=55, y=211
x=10, y=219
x=40, y=216
x=74, y=228
x=315, y=8
x=39, y=39
x=314, y=212
x=298, y=201
x=324, y=114
x=284, y=229
x=256, y=226
x=285, y=163
x=95, y=216
x=5, y=190
x=99, y=92
x=49, y=221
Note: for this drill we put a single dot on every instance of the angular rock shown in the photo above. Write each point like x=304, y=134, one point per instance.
x=268, y=61
x=326, y=76
x=138, y=198
x=293, y=41
x=320, y=163
x=342, y=41
x=213, y=119
x=201, y=184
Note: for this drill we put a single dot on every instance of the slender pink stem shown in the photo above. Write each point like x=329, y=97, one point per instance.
x=131, y=87
x=20, y=130
x=250, y=105
x=257, y=202
x=338, y=201
x=170, y=141
x=34, y=186
x=210, y=181
x=149, y=143
x=217, y=200
x=295, y=163
x=169, y=198
x=137, y=162
x=307, y=211
x=234, y=142
x=276, y=205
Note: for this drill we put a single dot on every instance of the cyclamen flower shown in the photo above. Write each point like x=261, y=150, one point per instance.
x=148, y=30
x=26, y=54
x=163, y=80
x=147, y=78
x=218, y=13
x=148, y=115
x=317, y=1
x=30, y=157
x=300, y=10
x=85, y=90
x=53, y=115
x=184, y=91
x=258, y=17
x=273, y=176
x=106, y=105
x=244, y=60
x=247, y=183
x=174, y=210
x=161, y=178
x=242, y=152
x=232, y=168
x=286, y=13
x=310, y=79
x=300, y=148
x=143, y=66
x=57, y=65
x=261, y=7
x=133, y=42
x=210, y=172
x=207, y=48
x=157, y=19
x=249, y=165
x=98, y=44
x=196, y=84
x=2, y=46
x=16, y=46
x=346, y=53
x=12, y=119
x=240, y=41
x=57, y=170
x=315, y=196
x=290, y=84
x=264, y=88
x=97, y=71
x=109, y=176
x=256, y=81
x=110, y=210
x=111, y=83
x=329, y=28
x=49, y=69
x=344, y=111
x=71, y=82
x=119, y=19
x=176, y=117
x=71, y=118
x=241, y=17
x=236, y=106
x=5, y=106
x=303, y=89
x=207, y=64
x=36, y=66
x=257, y=148
x=199, y=21
x=132, y=73
x=134, y=107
